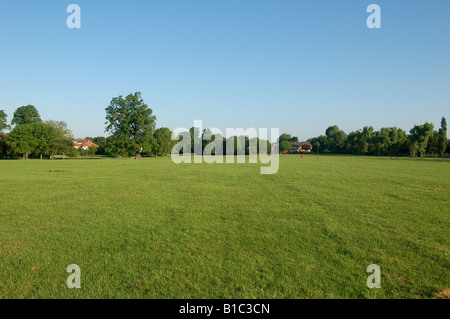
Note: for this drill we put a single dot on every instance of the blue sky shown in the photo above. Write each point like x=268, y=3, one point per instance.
x=300, y=66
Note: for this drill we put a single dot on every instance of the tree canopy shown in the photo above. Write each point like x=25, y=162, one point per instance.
x=26, y=115
x=131, y=124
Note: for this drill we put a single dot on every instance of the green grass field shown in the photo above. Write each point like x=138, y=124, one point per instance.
x=153, y=229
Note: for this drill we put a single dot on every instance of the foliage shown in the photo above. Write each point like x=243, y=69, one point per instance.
x=3, y=121
x=442, y=139
x=285, y=146
x=22, y=140
x=131, y=124
x=163, y=141
x=420, y=135
x=26, y=115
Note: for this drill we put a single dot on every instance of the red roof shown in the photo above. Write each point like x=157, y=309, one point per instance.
x=84, y=143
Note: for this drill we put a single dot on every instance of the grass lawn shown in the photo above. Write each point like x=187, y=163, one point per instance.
x=153, y=229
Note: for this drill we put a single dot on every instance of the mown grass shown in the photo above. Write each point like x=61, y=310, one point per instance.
x=153, y=229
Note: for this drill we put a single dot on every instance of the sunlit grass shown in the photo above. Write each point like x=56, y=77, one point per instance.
x=153, y=229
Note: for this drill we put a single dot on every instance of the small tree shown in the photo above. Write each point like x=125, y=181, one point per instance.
x=163, y=141
x=442, y=140
x=61, y=145
x=92, y=150
x=3, y=121
x=285, y=146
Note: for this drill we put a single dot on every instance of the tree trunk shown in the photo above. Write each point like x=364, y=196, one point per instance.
x=41, y=156
x=64, y=156
x=23, y=156
x=138, y=155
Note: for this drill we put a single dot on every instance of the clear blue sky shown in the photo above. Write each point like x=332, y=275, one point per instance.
x=296, y=65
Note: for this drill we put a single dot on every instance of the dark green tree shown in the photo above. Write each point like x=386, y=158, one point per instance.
x=26, y=115
x=131, y=123
x=163, y=141
x=22, y=140
x=44, y=135
x=420, y=135
x=442, y=141
x=285, y=146
x=61, y=145
x=285, y=137
x=336, y=139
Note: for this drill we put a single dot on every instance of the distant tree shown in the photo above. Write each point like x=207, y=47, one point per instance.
x=285, y=137
x=196, y=140
x=442, y=140
x=61, y=128
x=101, y=142
x=26, y=115
x=117, y=146
x=3, y=121
x=3, y=144
x=131, y=123
x=285, y=146
x=294, y=139
x=322, y=140
x=352, y=144
x=397, y=141
x=44, y=135
x=336, y=139
x=420, y=135
x=92, y=150
x=316, y=146
x=163, y=141
x=61, y=145
x=22, y=140
x=367, y=135
x=433, y=142
x=382, y=140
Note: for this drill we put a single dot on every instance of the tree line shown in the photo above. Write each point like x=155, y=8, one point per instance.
x=132, y=128
x=129, y=121
x=388, y=141
x=32, y=137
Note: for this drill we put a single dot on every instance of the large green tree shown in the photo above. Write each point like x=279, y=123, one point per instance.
x=44, y=135
x=26, y=115
x=22, y=140
x=131, y=124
